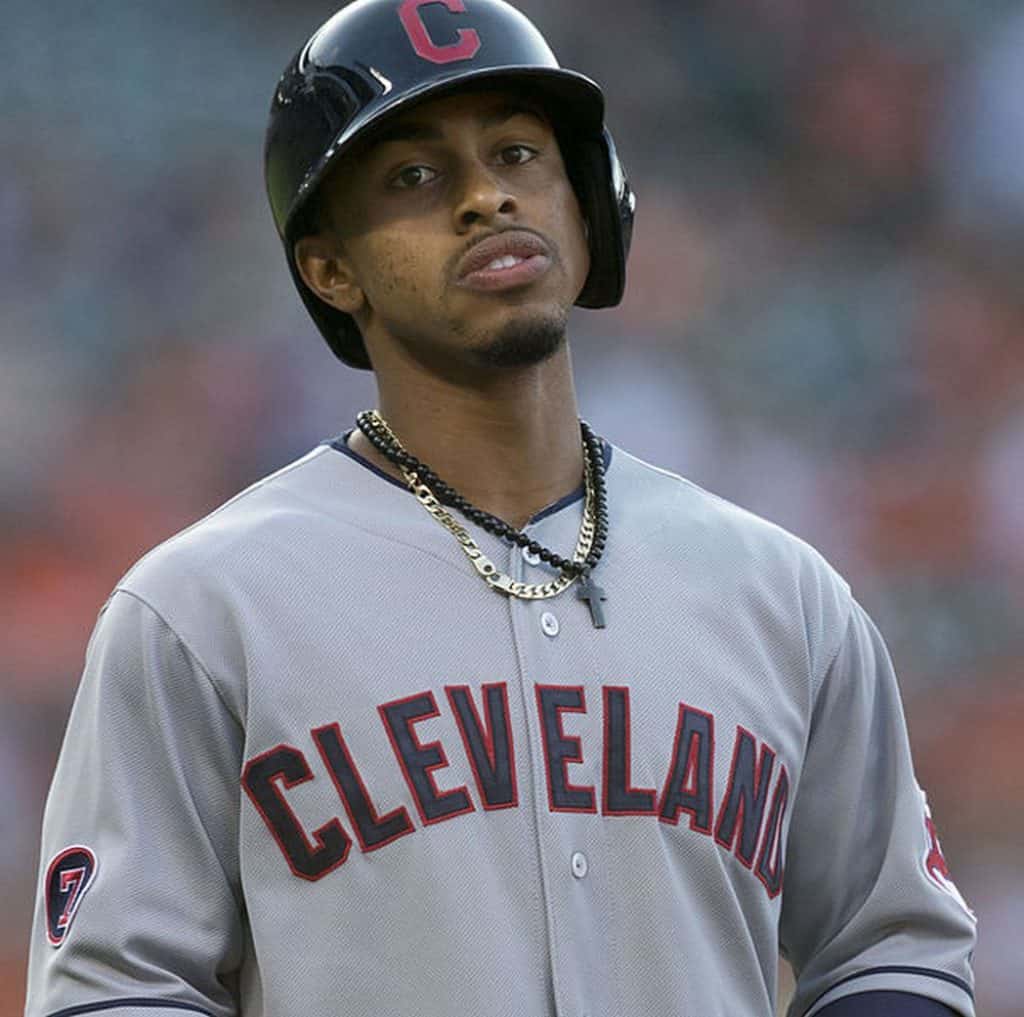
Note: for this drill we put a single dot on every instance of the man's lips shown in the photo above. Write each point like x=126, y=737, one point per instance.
x=504, y=261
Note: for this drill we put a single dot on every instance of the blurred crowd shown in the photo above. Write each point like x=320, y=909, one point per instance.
x=824, y=323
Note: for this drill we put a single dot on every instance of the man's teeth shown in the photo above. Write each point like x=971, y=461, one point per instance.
x=509, y=261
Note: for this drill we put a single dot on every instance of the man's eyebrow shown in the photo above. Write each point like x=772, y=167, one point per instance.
x=411, y=130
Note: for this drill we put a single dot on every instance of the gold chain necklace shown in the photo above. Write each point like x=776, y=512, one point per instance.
x=485, y=568
x=488, y=571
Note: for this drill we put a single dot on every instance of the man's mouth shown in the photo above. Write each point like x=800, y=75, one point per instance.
x=504, y=261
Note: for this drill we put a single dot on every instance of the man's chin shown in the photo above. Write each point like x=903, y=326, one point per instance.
x=523, y=342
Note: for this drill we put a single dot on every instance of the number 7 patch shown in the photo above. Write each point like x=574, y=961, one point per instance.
x=68, y=876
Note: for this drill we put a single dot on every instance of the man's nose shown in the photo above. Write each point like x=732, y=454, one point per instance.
x=483, y=197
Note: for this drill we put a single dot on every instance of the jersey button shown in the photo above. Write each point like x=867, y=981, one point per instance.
x=579, y=864
x=549, y=624
x=530, y=558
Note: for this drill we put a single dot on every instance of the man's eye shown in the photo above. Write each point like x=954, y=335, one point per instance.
x=413, y=176
x=516, y=155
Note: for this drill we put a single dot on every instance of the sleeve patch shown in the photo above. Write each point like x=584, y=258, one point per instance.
x=68, y=876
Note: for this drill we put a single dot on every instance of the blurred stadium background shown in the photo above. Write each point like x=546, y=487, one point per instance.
x=824, y=323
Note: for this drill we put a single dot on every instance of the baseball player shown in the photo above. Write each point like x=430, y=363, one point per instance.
x=468, y=711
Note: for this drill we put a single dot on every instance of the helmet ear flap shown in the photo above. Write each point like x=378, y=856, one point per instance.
x=608, y=204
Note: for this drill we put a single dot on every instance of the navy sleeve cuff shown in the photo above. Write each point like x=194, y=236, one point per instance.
x=885, y=1004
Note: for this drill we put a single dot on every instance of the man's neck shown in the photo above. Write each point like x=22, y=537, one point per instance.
x=510, y=447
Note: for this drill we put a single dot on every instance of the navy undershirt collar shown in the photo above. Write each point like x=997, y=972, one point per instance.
x=340, y=444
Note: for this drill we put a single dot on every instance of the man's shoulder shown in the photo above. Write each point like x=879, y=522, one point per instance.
x=246, y=532
x=681, y=502
x=670, y=513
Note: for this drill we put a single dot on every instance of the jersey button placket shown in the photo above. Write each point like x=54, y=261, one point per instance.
x=538, y=628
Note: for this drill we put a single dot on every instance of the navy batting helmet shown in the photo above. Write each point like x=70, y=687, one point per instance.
x=375, y=58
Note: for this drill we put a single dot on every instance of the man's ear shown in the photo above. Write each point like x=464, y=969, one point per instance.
x=328, y=273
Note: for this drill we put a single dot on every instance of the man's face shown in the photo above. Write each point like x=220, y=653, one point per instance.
x=460, y=233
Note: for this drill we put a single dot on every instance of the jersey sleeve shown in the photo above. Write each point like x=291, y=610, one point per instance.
x=868, y=903
x=137, y=907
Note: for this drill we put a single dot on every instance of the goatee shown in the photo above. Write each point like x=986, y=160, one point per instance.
x=523, y=343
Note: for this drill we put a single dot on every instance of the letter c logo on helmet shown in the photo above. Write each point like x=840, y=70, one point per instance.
x=465, y=48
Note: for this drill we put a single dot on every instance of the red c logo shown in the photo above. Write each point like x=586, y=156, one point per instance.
x=468, y=41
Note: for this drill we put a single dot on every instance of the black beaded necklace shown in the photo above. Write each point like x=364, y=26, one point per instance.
x=385, y=442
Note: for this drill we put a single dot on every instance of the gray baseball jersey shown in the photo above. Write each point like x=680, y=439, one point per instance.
x=316, y=768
